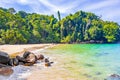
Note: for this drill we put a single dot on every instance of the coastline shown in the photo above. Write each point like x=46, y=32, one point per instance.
x=14, y=50
x=67, y=66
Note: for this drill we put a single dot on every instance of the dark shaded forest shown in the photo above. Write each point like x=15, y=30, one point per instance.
x=23, y=28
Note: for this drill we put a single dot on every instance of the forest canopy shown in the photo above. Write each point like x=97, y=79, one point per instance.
x=22, y=28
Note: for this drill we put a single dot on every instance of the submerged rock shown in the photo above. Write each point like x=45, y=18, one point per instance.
x=4, y=57
x=20, y=73
x=47, y=64
x=6, y=71
x=98, y=73
x=89, y=65
x=113, y=77
x=87, y=75
x=101, y=54
x=28, y=64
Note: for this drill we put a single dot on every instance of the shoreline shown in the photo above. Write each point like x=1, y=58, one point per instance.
x=14, y=50
x=18, y=50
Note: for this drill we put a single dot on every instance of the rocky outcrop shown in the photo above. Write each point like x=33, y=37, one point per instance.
x=27, y=59
x=5, y=69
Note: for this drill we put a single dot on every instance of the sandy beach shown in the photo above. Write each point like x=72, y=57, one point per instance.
x=19, y=49
x=44, y=73
x=56, y=72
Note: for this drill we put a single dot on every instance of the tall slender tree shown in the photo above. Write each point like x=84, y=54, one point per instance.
x=59, y=16
x=11, y=10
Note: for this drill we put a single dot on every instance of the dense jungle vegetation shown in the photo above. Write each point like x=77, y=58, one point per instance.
x=22, y=28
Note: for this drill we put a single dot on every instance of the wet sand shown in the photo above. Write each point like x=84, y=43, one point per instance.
x=57, y=71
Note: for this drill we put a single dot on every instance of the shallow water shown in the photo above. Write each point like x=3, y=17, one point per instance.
x=91, y=61
x=74, y=62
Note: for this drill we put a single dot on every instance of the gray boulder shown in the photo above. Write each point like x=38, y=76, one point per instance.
x=4, y=57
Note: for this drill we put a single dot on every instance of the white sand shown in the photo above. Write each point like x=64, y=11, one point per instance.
x=11, y=49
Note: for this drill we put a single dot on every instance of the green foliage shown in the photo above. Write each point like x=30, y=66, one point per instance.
x=67, y=39
x=111, y=31
x=22, y=27
x=1, y=41
x=22, y=14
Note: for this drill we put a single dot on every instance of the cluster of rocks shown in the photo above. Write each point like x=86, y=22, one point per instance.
x=27, y=59
x=113, y=77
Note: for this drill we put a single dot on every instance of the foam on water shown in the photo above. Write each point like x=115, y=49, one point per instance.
x=20, y=73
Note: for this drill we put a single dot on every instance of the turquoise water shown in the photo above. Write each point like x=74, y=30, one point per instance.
x=91, y=61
